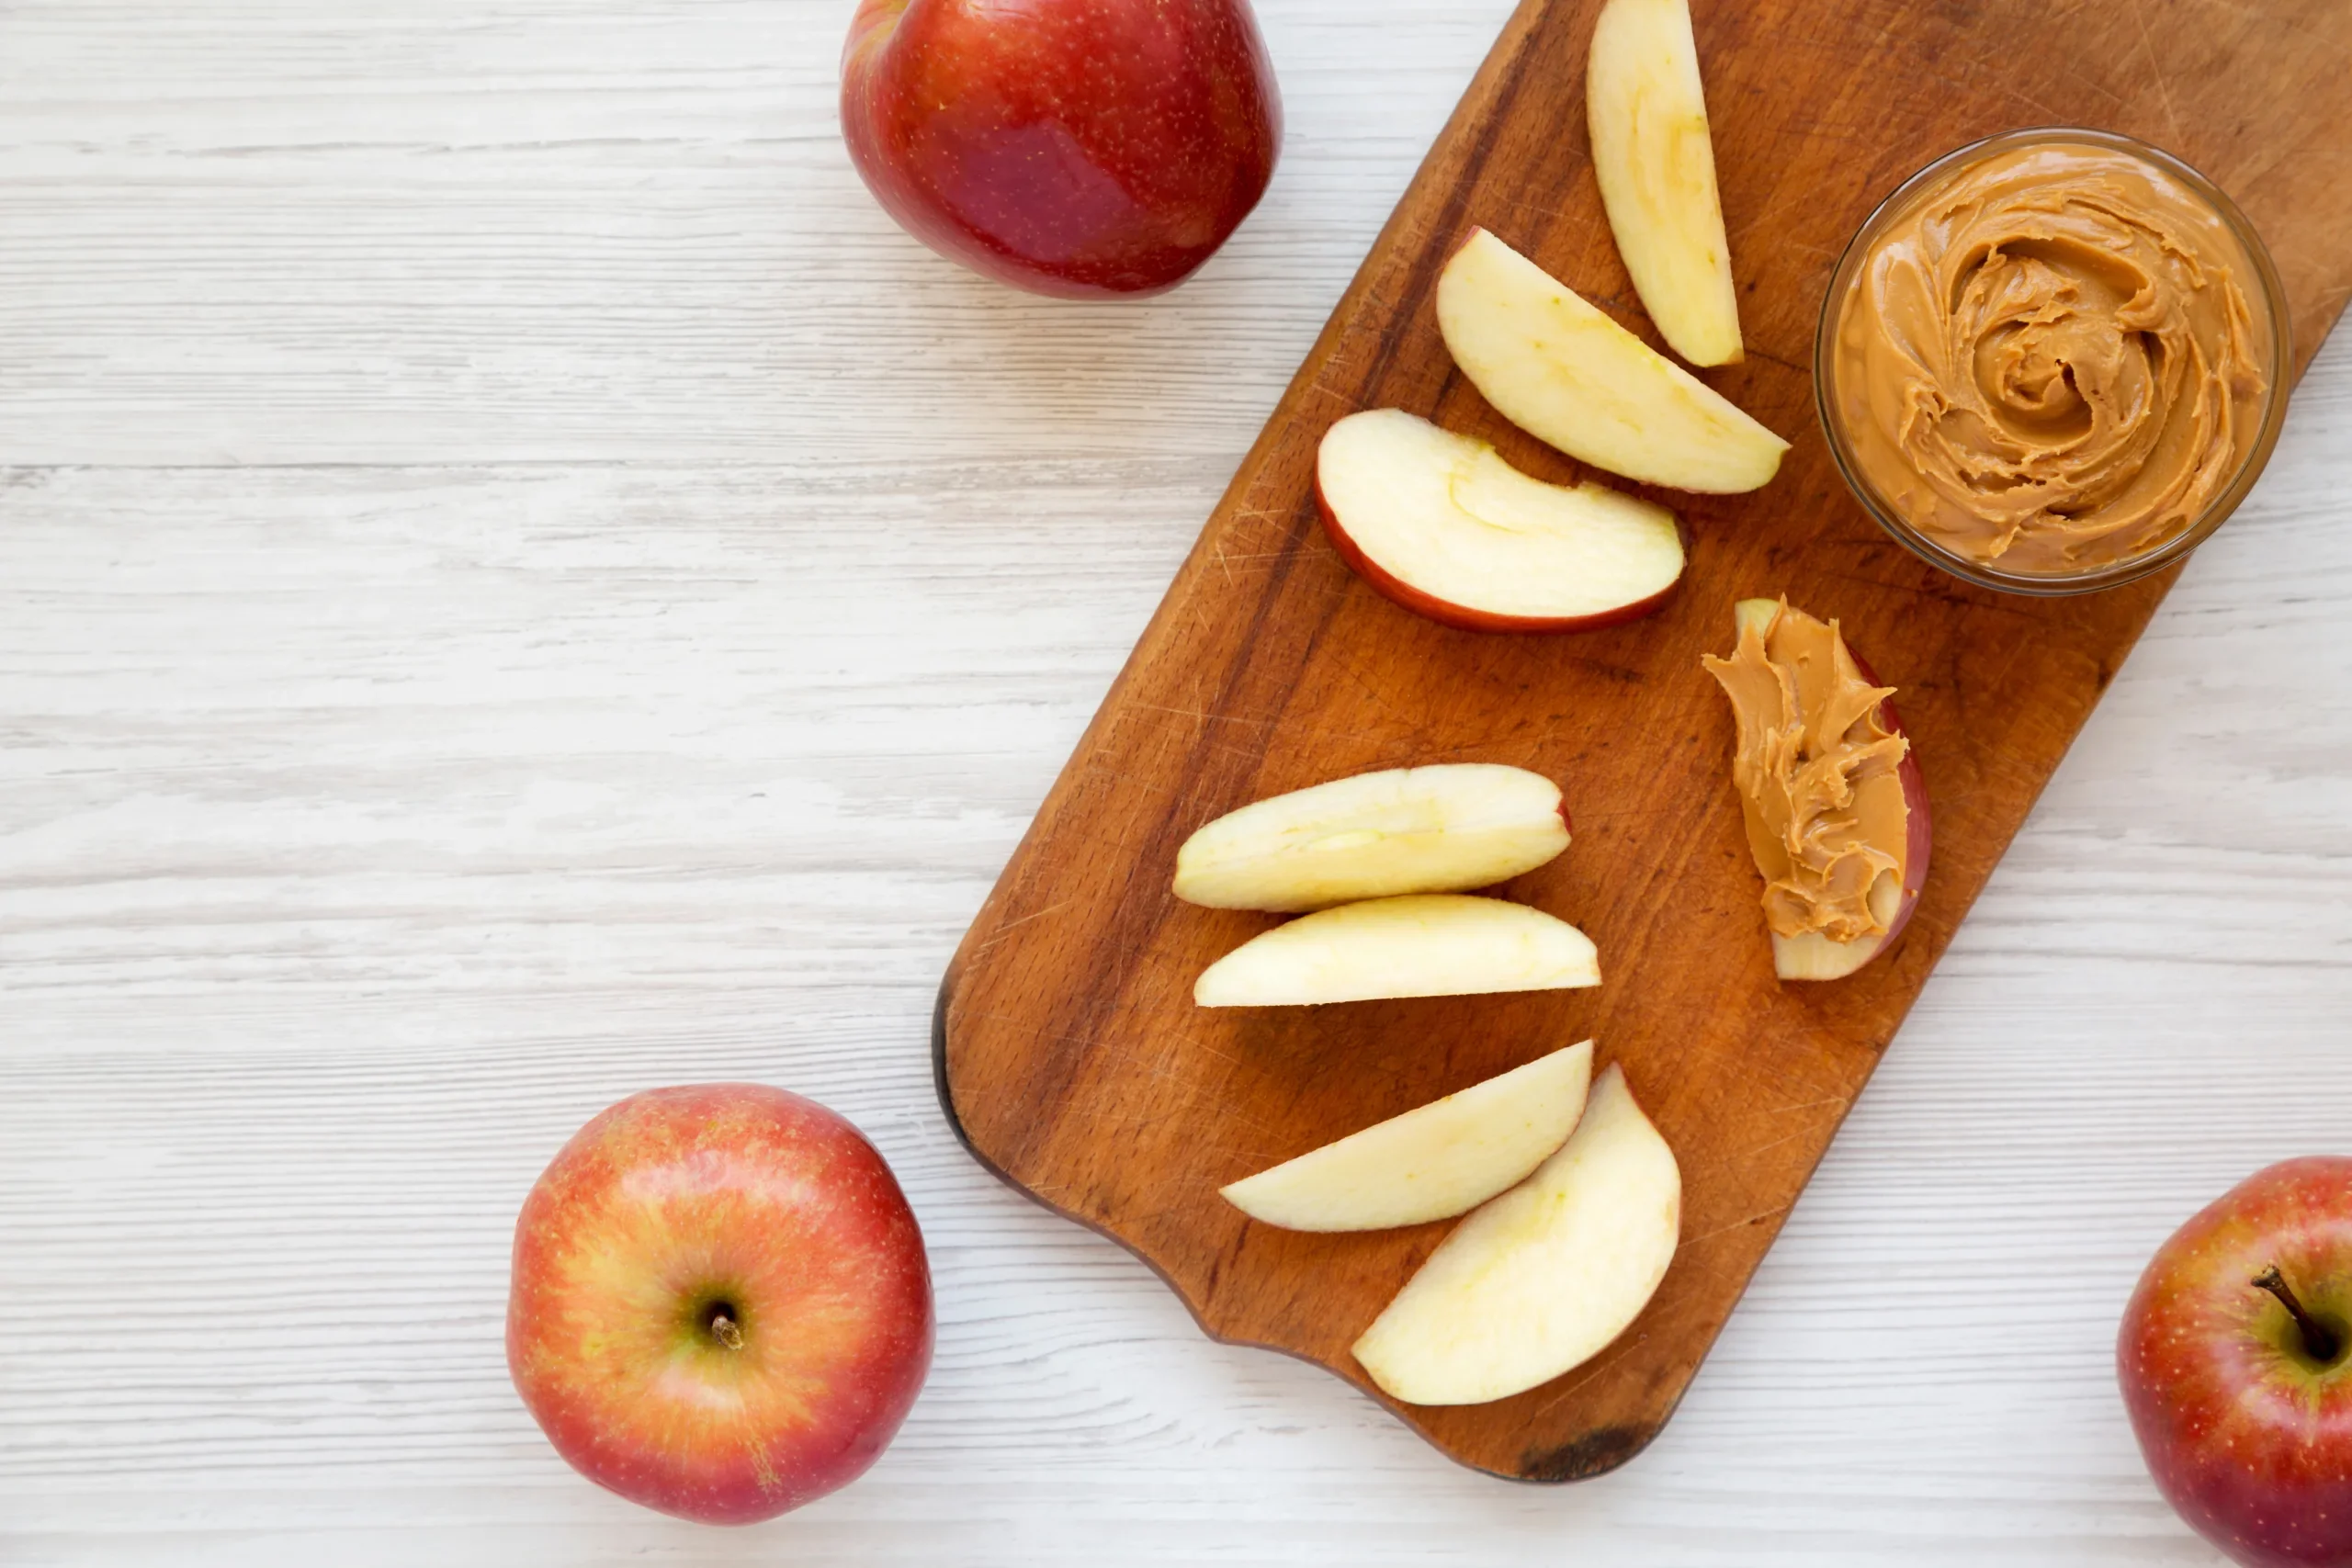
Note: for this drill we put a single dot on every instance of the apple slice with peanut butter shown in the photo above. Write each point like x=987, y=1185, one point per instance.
x=1834, y=806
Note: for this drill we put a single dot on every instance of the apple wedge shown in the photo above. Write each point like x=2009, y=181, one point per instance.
x=1651, y=153
x=1811, y=956
x=1431, y=1163
x=1442, y=525
x=1433, y=944
x=1542, y=1277
x=1887, y=811
x=1560, y=370
x=1434, y=830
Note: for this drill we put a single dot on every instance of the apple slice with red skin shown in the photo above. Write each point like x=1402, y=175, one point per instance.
x=1813, y=956
x=721, y=1306
x=2235, y=1360
x=1442, y=524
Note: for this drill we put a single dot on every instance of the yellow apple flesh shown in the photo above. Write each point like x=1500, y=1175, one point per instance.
x=1437, y=944
x=1540, y=1279
x=1431, y=1163
x=1435, y=830
x=1656, y=164
x=1564, y=372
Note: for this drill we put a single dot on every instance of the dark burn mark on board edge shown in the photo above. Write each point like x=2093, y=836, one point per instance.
x=1596, y=1453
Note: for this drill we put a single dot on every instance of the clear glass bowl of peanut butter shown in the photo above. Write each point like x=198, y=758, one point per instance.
x=2053, y=361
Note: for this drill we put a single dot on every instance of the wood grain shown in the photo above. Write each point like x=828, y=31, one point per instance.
x=1070, y=1054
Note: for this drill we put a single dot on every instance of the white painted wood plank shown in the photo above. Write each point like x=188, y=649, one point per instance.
x=448, y=231
x=482, y=632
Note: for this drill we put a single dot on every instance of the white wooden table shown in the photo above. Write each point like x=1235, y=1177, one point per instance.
x=518, y=584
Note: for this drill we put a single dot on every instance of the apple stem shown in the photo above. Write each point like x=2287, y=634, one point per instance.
x=723, y=1329
x=2319, y=1342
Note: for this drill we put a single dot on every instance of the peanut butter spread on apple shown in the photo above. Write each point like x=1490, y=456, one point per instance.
x=2051, y=359
x=1816, y=766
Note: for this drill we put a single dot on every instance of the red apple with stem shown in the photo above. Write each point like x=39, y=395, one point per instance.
x=1071, y=147
x=2235, y=1358
x=721, y=1306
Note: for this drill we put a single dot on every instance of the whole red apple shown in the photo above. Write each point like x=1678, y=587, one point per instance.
x=720, y=1306
x=1072, y=147
x=2235, y=1358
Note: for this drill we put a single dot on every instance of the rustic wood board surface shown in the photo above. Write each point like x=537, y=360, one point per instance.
x=1071, y=1054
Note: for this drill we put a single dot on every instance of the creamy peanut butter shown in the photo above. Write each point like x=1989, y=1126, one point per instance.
x=2053, y=358
x=1816, y=766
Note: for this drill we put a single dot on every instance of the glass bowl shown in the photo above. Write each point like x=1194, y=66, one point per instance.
x=2275, y=358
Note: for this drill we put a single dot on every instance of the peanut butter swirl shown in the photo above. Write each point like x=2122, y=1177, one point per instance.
x=1814, y=763
x=2050, y=360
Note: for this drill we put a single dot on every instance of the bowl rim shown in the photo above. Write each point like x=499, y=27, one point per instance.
x=2281, y=367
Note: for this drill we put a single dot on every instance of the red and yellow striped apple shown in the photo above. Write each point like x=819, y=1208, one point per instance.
x=721, y=1306
x=2235, y=1359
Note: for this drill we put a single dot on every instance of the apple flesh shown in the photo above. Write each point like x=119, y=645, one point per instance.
x=1442, y=525
x=1540, y=1279
x=1434, y=830
x=1560, y=370
x=1811, y=955
x=2244, y=1414
x=1431, y=1162
x=721, y=1306
x=1436, y=944
x=1069, y=147
x=1656, y=164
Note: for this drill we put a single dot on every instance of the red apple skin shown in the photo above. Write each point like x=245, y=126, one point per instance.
x=1461, y=616
x=1071, y=147
x=1920, y=830
x=2247, y=1438
x=1918, y=827
x=678, y=1198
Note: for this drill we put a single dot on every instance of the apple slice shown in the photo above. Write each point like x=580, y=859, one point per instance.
x=1431, y=1163
x=1442, y=524
x=1813, y=956
x=1564, y=372
x=1432, y=945
x=1897, y=804
x=1755, y=613
x=1542, y=1277
x=1435, y=830
x=1647, y=114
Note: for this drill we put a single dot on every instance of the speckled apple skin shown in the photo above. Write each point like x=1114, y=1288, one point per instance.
x=1069, y=147
x=677, y=1197
x=2252, y=1447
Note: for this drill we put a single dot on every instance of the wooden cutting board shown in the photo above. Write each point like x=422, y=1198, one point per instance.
x=1072, y=1057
